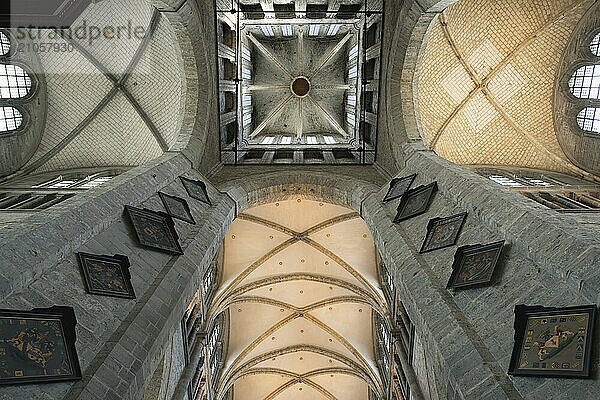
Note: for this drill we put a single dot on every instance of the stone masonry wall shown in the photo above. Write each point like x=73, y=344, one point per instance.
x=466, y=337
x=119, y=341
x=470, y=333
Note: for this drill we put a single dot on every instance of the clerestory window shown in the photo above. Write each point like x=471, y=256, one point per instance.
x=585, y=82
x=10, y=119
x=588, y=119
x=584, y=85
x=16, y=88
x=595, y=45
x=4, y=44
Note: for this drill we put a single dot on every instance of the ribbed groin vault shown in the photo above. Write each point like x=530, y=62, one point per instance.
x=300, y=285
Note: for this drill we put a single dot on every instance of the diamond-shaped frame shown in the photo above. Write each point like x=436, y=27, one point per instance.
x=475, y=265
x=154, y=229
x=177, y=208
x=196, y=190
x=415, y=202
x=443, y=232
x=399, y=186
x=553, y=341
x=44, y=332
x=106, y=275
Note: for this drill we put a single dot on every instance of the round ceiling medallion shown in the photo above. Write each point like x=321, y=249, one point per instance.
x=300, y=86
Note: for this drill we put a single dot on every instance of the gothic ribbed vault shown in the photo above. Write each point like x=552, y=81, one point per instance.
x=117, y=95
x=486, y=78
x=300, y=285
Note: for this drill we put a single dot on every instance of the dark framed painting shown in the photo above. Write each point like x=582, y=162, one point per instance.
x=553, y=342
x=415, y=202
x=177, y=208
x=399, y=186
x=106, y=275
x=475, y=265
x=154, y=229
x=443, y=232
x=196, y=189
x=38, y=346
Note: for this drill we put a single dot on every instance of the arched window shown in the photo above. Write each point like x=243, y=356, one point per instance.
x=10, y=119
x=4, y=44
x=214, y=348
x=589, y=119
x=595, y=45
x=15, y=83
x=584, y=84
x=16, y=87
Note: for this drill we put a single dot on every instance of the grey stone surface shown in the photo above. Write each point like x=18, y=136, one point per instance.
x=465, y=338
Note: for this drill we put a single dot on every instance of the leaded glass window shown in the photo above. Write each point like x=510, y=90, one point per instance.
x=585, y=82
x=589, y=119
x=4, y=44
x=595, y=45
x=10, y=119
x=15, y=85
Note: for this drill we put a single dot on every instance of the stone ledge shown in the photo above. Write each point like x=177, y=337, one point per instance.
x=546, y=238
x=41, y=241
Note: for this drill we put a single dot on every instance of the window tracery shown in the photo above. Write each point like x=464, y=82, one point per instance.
x=4, y=44
x=584, y=85
x=10, y=119
x=16, y=88
x=585, y=82
x=558, y=192
x=588, y=119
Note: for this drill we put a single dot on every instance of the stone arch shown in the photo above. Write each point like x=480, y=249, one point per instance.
x=401, y=69
x=19, y=145
x=404, y=99
x=266, y=191
x=581, y=148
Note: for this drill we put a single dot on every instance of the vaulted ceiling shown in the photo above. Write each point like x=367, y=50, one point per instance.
x=300, y=284
x=486, y=80
x=113, y=100
x=322, y=61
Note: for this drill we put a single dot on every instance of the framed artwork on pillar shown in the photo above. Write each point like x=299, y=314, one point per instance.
x=475, y=265
x=415, y=202
x=196, y=189
x=177, y=208
x=399, y=186
x=106, y=275
x=154, y=229
x=553, y=342
x=443, y=232
x=38, y=346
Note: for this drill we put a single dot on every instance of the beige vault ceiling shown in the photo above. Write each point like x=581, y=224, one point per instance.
x=300, y=284
x=486, y=80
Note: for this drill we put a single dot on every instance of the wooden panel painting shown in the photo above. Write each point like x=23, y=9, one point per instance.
x=475, y=265
x=415, y=202
x=196, y=189
x=106, y=276
x=399, y=186
x=177, y=208
x=553, y=341
x=154, y=229
x=443, y=232
x=38, y=346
